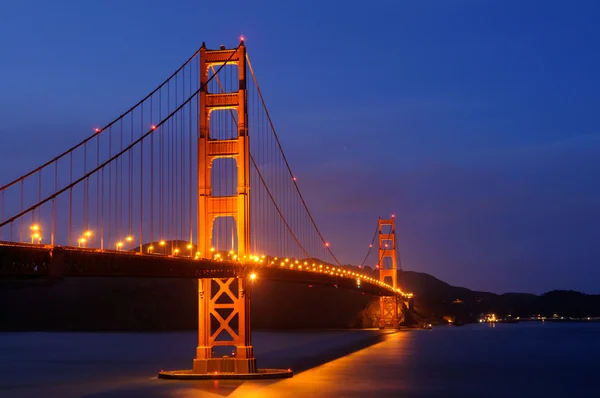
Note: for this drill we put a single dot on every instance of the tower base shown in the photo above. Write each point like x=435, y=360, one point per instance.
x=225, y=365
x=216, y=375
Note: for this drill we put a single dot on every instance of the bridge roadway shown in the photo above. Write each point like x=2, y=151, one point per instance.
x=22, y=260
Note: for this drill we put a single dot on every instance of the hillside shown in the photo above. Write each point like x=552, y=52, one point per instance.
x=436, y=299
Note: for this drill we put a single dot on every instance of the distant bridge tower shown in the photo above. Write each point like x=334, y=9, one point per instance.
x=223, y=304
x=389, y=307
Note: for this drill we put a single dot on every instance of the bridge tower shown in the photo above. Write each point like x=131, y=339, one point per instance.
x=389, y=307
x=223, y=304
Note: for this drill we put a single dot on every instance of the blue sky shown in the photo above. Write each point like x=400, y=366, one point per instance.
x=474, y=121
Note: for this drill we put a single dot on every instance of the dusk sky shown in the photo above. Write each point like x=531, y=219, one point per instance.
x=474, y=121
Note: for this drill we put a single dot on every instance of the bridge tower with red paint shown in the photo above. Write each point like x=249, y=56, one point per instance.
x=388, y=272
x=223, y=304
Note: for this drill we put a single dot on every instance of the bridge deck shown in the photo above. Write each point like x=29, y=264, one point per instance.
x=22, y=260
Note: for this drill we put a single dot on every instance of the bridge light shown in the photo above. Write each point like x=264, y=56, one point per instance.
x=393, y=215
x=88, y=234
x=153, y=127
x=189, y=246
x=162, y=243
x=294, y=178
x=150, y=248
x=129, y=238
x=36, y=236
x=35, y=227
x=326, y=244
x=370, y=246
x=253, y=276
x=242, y=38
x=119, y=245
x=212, y=249
x=97, y=130
x=81, y=242
x=175, y=251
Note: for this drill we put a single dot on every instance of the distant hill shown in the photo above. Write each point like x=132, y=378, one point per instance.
x=436, y=299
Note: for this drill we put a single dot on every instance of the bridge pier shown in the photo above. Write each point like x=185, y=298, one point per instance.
x=224, y=320
x=389, y=312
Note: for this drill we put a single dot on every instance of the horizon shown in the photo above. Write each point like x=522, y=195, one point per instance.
x=473, y=123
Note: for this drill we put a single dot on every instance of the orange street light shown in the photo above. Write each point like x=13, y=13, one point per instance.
x=36, y=236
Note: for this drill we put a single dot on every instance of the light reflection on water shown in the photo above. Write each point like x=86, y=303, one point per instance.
x=472, y=361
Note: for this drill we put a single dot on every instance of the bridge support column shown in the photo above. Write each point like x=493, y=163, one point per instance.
x=388, y=269
x=224, y=320
x=389, y=315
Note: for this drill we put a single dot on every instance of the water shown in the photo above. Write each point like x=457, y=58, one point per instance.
x=509, y=360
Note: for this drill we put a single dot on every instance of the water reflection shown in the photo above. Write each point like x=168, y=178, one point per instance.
x=549, y=360
x=366, y=373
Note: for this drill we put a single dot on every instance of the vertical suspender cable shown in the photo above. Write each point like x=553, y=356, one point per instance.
x=97, y=180
x=130, y=194
x=151, y=176
x=141, y=179
x=109, y=199
x=119, y=185
x=161, y=154
x=190, y=158
x=70, y=199
x=39, y=196
x=53, y=232
x=85, y=188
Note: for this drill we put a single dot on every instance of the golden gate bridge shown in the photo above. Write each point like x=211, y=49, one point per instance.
x=190, y=182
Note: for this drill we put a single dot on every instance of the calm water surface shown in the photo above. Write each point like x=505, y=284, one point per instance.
x=512, y=360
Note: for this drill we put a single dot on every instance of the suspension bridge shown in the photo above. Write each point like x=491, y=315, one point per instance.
x=190, y=182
